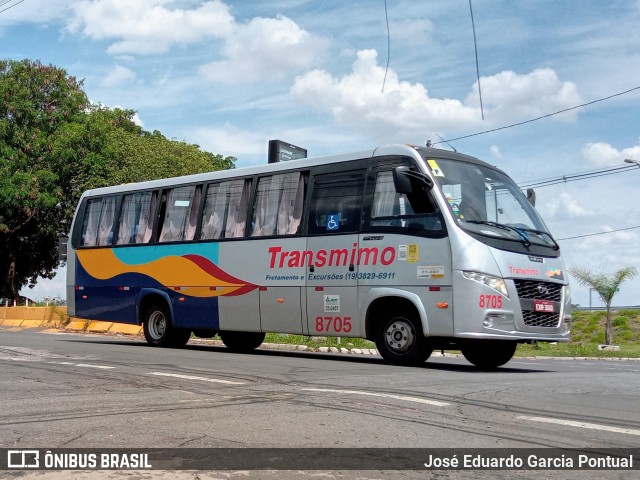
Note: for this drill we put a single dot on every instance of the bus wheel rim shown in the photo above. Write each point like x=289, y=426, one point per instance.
x=399, y=336
x=157, y=325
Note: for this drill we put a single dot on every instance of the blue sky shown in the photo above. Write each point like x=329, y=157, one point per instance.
x=230, y=75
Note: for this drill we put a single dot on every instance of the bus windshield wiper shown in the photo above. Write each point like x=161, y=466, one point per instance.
x=555, y=245
x=523, y=236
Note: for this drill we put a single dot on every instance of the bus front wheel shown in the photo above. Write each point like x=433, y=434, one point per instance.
x=400, y=340
x=489, y=354
x=242, y=341
x=159, y=331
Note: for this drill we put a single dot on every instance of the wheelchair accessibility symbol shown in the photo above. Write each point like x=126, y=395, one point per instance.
x=333, y=221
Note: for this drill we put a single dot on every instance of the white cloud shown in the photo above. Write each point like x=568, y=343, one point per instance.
x=563, y=206
x=230, y=140
x=603, y=154
x=357, y=100
x=265, y=49
x=118, y=76
x=262, y=49
x=137, y=120
x=405, y=110
x=495, y=151
x=148, y=26
x=508, y=96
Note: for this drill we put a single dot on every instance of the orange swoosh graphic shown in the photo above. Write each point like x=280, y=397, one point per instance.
x=196, y=275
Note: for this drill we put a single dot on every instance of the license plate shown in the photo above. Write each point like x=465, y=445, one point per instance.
x=545, y=306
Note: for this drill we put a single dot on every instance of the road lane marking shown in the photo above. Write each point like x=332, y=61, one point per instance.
x=88, y=365
x=84, y=365
x=572, y=423
x=193, y=377
x=382, y=395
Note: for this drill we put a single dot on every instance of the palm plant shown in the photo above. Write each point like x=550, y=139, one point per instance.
x=606, y=286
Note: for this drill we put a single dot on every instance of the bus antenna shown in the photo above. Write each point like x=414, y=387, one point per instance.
x=443, y=140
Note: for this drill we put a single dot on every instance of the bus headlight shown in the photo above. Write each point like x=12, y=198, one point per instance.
x=497, y=283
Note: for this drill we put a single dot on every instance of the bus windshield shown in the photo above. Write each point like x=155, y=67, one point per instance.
x=487, y=203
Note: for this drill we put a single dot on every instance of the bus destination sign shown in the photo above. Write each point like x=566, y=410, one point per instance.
x=280, y=151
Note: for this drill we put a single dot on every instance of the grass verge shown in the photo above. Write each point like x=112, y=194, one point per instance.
x=317, y=342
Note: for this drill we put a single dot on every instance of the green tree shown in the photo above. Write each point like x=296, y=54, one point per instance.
x=53, y=146
x=35, y=101
x=606, y=286
x=108, y=148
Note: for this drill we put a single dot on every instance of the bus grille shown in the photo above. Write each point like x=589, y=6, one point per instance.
x=540, y=319
x=530, y=290
x=539, y=290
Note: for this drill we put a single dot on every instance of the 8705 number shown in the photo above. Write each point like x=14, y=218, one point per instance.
x=333, y=324
x=490, y=301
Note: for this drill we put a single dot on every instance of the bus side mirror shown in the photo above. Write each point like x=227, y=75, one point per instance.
x=531, y=196
x=63, y=240
x=405, y=180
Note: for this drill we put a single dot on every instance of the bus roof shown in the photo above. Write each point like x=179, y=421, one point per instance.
x=407, y=150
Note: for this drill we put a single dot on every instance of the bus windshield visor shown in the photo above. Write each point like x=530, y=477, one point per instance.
x=486, y=202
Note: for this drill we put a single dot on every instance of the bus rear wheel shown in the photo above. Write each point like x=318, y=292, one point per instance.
x=489, y=354
x=242, y=342
x=400, y=340
x=159, y=331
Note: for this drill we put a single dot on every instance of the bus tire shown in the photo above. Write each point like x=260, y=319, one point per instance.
x=489, y=354
x=159, y=331
x=400, y=340
x=242, y=342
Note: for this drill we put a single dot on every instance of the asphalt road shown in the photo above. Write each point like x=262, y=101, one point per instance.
x=87, y=391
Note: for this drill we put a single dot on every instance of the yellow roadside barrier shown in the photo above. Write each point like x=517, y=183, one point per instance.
x=56, y=317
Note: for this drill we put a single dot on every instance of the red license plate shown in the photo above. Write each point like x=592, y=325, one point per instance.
x=545, y=306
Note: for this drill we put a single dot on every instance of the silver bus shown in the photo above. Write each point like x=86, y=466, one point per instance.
x=417, y=249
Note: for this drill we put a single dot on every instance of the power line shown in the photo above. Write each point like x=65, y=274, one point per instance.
x=10, y=6
x=386, y=16
x=541, y=117
x=576, y=176
x=599, y=233
x=475, y=46
x=582, y=176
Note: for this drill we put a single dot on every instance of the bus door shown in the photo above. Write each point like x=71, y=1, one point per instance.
x=332, y=248
x=404, y=245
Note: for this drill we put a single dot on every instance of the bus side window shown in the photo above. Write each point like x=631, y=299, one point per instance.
x=97, y=228
x=387, y=202
x=180, y=214
x=336, y=202
x=395, y=210
x=225, y=210
x=279, y=205
x=136, y=218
